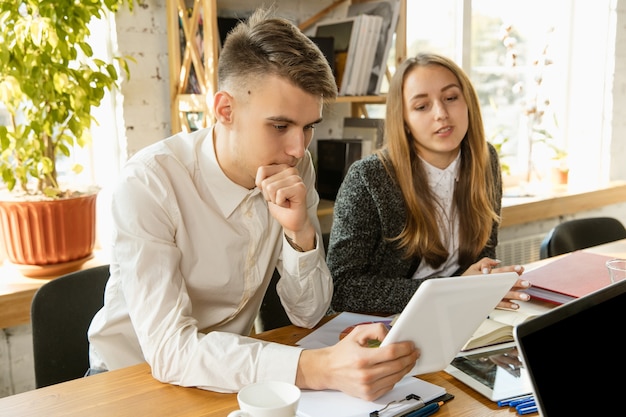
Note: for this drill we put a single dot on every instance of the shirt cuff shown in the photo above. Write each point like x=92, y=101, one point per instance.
x=288, y=358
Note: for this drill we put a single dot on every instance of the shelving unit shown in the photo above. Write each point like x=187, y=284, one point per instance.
x=193, y=60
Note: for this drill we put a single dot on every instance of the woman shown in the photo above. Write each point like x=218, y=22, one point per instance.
x=427, y=204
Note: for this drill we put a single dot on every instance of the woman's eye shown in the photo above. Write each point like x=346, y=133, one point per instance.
x=452, y=98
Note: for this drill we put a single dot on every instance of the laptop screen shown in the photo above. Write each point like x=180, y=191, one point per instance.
x=575, y=356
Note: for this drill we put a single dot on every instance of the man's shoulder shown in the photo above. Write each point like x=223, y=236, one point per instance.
x=182, y=146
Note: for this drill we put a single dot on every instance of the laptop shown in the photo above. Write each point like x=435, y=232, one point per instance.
x=494, y=371
x=575, y=355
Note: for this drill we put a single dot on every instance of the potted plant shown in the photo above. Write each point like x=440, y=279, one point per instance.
x=49, y=82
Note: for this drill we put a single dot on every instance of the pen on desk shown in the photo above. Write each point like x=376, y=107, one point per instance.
x=425, y=411
x=527, y=410
x=526, y=404
x=516, y=401
x=408, y=411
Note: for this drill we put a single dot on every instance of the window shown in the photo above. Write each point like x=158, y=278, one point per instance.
x=541, y=69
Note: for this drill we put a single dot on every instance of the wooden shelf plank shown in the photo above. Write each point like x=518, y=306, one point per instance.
x=516, y=211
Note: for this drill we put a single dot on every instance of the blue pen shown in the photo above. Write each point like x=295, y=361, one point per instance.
x=521, y=400
x=508, y=401
x=527, y=410
x=428, y=410
x=525, y=405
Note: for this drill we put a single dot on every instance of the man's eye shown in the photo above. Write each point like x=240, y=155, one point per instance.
x=280, y=127
x=309, y=127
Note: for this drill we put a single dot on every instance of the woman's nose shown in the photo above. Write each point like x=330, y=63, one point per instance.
x=441, y=113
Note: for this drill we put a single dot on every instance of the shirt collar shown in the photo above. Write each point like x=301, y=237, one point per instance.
x=448, y=174
x=227, y=195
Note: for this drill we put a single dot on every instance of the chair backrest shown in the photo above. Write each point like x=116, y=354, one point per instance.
x=61, y=312
x=579, y=234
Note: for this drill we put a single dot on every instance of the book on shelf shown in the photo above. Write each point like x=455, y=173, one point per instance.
x=344, y=32
x=498, y=327
x=389, y=11
x=369, y=33
x=572, y=276
x=354, y=56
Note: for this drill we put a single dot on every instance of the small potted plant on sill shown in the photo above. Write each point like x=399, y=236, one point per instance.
x=560, y=167
x=49, y=82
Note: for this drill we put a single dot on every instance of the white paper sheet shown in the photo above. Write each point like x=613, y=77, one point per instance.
x=337, y=404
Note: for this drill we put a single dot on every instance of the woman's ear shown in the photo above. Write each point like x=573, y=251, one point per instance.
x=223, y=107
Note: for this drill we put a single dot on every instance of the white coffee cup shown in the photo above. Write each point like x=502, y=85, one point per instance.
x=267, y=399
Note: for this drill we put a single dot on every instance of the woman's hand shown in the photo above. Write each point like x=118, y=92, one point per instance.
x=488, y=266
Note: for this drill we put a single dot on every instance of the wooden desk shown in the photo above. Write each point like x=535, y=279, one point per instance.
x=132, y=391
x=16, y=292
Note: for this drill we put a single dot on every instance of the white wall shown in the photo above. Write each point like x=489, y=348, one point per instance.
x=142, y=34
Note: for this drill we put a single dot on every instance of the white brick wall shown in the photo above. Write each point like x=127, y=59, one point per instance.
x=16, y=360
x=142, y=34
x=6, y=381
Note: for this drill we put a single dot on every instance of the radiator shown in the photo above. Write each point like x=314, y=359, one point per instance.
x=520, y=251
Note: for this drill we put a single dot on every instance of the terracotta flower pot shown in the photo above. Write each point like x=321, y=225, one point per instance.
x=58, y=234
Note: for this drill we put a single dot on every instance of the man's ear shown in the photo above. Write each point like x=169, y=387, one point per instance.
x=223, y=107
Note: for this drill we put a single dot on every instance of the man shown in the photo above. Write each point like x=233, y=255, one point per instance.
x=201, y=220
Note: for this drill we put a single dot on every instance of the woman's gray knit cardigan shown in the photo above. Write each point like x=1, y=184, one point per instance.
x=370, y=274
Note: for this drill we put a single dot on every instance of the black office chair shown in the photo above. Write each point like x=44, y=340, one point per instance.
x=61, y=312
x=579, y=234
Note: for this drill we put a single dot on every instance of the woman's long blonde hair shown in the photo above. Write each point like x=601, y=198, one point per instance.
x=474, y=193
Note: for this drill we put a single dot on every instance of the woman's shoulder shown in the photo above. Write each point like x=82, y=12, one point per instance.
x=370, y=165
x=369, y=172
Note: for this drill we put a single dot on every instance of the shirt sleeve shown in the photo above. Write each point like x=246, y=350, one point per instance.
x=305, y=287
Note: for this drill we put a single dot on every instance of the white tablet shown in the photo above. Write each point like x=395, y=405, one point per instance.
x=444, y=313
